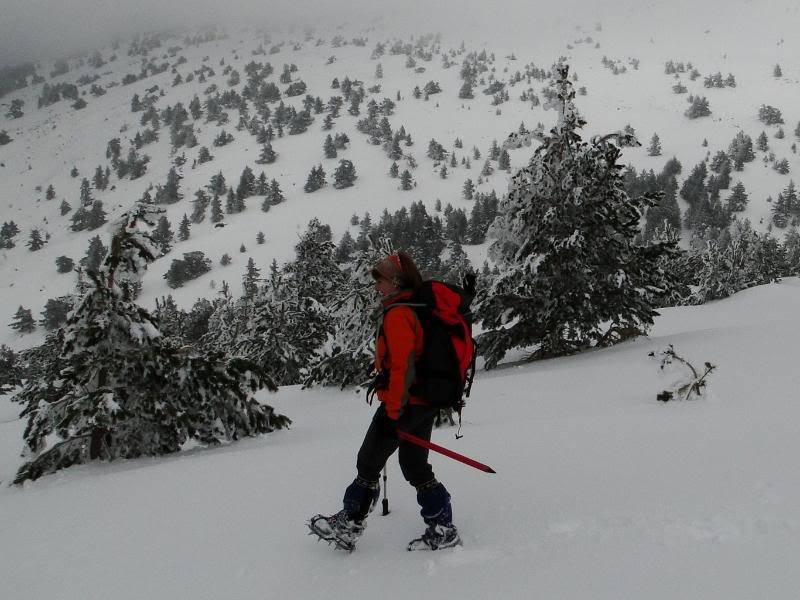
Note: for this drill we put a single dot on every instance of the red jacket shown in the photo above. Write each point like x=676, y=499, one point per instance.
x=398, y=345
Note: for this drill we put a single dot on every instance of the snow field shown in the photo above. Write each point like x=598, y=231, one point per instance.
x=600, y=492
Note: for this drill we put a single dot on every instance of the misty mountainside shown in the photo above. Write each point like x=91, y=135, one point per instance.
x=164, y=115
x=189, y=220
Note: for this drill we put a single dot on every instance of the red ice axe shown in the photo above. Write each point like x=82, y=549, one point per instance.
x=441, y=450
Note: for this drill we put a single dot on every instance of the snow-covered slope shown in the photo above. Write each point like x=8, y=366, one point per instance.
x=746, y=39
x=600, y=492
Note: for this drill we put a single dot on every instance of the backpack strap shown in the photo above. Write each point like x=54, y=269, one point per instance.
x=411, y=304
x=471, y=369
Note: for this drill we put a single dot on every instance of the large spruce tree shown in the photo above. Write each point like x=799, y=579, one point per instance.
x=354, y=311
x=124, y=392
x=571, y=275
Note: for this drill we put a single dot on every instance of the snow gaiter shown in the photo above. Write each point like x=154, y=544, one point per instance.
x=360, y=498
x=434, y=499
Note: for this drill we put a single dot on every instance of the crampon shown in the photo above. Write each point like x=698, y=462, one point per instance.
x=338, y=530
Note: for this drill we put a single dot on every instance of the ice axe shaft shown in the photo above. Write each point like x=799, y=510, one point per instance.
x=441, y=450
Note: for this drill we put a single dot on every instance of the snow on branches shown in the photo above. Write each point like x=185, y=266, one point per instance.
x=693, y=381
x=121, y=390
x=572, y=273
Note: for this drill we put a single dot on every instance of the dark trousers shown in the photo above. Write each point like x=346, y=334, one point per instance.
x=377, y=447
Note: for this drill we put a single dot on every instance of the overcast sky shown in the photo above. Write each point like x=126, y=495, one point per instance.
x=35, y=29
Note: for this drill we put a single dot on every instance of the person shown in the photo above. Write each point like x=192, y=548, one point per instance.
x=400, y=339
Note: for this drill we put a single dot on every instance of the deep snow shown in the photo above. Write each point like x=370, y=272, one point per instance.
x=746, y=39
x=600, y=492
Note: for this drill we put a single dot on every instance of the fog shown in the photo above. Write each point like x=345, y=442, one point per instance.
x=37, y=29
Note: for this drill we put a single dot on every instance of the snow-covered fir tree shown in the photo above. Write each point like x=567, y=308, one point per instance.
x=316, y=179
x=345, y=248
x=785, y=206
x=737, y=261
x=200, y=204
x=737, y=201
x=163, y=235
x=184, y=229
x=285, y=324
x=654, y=149
x=95, y=255
x=86, y=193
x=217, y=184
x=571, y=275
x=251, y=278
x=781, y=166
x=231, y=202
x=217, y=215
x=468, y=190
x=406, y=181
x=64, y=264
x=769, y=115
x=123, y=392
x=23, y=321
x=504, y=160
x=762, y=143
x=204, y=155
x=246, y=187
x=665, y=209
x=9, y=369
x=95, y=217
x=354, y=310
x=455, y=263
x=740, y=150
x=36, y=241
x=329, y=148
x=8, y=232
x=345, y=175
x=55, y=311
x=275, y=194
x=699, y=108
x=170, y=192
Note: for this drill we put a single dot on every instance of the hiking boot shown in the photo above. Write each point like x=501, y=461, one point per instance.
x=436, y=537
x=339, y=529
x=345, y=527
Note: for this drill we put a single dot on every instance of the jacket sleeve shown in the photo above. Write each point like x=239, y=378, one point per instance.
x=400, y=330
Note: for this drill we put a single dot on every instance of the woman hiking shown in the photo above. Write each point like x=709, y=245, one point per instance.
x=399, y=344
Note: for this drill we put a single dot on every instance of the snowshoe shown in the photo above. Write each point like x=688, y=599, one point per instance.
x=436, y=537
x=338, y=529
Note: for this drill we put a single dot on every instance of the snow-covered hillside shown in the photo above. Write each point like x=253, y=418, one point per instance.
x=600, y=492
x=747, y=41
